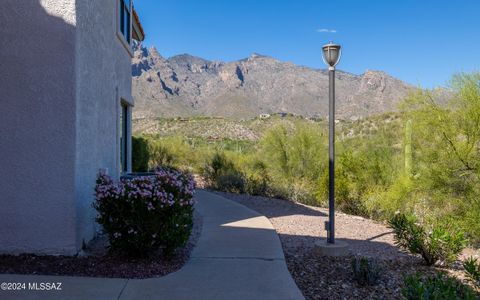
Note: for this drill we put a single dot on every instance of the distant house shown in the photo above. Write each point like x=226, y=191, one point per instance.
x=264, y=116
x=65, y=113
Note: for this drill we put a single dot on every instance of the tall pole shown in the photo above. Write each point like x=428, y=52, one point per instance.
x=331, y=157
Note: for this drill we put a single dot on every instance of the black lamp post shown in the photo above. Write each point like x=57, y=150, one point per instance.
x=331, y=56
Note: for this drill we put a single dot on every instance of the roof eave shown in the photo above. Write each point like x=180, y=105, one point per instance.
x=138, y=33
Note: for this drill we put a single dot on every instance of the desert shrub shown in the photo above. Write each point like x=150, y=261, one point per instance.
x=295, y=158
x=257, y=179
x=382, y=203
x=433, y=244
x=140, y=154
x=275, y=148
x=181, y=152
x=365, y=168
x=230, y=181
x=295, y=153
x=301, y=190
x=161, y=154
x=435, y=287
x=177, y=151
x=472, y=268
x=446, y=156
x=216, y=166
x=468, y=216
x=222, y=174
x=238, y=146
x=366, y=271
x=143, y=214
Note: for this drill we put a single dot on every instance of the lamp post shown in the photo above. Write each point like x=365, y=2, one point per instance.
x=331, y=56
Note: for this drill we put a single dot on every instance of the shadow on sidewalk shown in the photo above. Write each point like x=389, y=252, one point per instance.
x=300, y=227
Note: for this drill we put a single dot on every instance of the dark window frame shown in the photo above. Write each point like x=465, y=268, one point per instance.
x=124, y=138
x=125, y=15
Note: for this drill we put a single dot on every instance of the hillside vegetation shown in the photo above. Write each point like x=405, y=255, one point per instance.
x=423, y=160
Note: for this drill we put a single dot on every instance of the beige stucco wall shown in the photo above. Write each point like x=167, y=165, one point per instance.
x=63, y=71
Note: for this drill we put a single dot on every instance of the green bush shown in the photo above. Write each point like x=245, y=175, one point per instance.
x=218, y=165
x=366, y=271
x=257, y=179
x=143, y=214
x=382, y=203
x=295, y=158
x=435, y=287
x=301, y=190
x=365, y=168
x=221, y=174
x=472, y=268
x=230, y=181
x=467, y=215
x=438, y=244
x=445, y=153
x=161, y=154
x=140, y=154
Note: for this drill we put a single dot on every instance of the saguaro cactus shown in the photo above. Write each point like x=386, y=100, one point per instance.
x=408, y=148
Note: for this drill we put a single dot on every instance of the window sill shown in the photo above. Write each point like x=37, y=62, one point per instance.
x=125, y=44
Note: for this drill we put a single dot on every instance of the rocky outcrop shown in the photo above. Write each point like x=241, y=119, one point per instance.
x=186, y=85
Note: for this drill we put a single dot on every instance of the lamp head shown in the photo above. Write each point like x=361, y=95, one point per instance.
x=331, y=54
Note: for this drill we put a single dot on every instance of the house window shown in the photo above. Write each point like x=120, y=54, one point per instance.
x=125, y=19
x=124, y=139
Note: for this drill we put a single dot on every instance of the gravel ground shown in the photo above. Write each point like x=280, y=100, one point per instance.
x=299, y=226
x=95, y=261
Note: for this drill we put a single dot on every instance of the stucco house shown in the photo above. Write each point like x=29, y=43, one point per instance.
x=65, y=112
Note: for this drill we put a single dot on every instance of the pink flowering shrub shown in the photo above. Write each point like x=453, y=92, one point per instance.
x=146, y=213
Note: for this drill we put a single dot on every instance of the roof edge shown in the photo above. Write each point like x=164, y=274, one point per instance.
x=138, y=32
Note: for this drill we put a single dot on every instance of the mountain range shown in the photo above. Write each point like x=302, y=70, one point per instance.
x=185, y=85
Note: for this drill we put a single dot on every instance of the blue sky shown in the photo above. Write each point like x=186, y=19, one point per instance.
x=421, y=42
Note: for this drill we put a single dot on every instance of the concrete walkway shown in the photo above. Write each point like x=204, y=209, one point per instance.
x=238, y=256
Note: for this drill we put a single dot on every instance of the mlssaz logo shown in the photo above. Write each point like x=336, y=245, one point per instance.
x=45, y=286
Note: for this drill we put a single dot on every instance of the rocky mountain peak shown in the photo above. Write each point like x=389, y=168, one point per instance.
x=255, y=55
x=185, y=85
x=154, y=52
x=186, y=59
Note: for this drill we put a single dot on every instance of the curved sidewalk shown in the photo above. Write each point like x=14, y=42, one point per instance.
x=238, y=256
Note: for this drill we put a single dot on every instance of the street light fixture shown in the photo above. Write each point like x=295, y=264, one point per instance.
x=331, y=57
x=331, y=54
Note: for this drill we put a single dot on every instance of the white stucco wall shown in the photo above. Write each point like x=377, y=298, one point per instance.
x=103, y=78
x=62, y=74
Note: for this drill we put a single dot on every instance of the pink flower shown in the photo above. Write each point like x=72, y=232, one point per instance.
x=150, y=206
